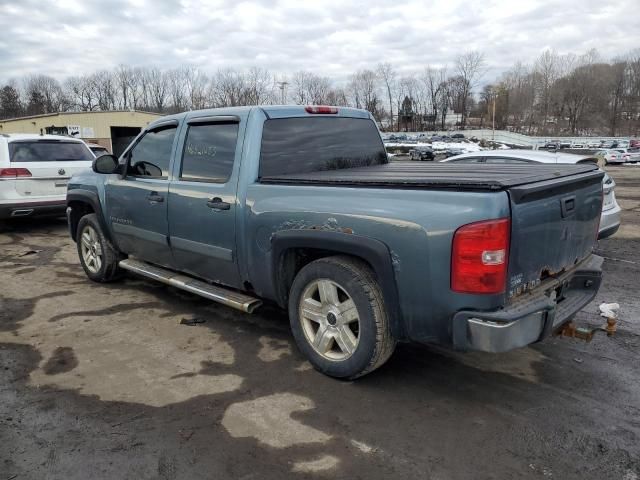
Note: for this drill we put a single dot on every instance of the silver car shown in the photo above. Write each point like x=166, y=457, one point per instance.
x=610, y=218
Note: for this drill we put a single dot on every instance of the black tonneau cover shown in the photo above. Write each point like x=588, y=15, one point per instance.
x=467, y=176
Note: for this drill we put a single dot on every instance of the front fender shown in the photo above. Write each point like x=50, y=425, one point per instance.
x=93, y=200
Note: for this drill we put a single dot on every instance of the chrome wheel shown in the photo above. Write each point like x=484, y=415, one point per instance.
x=330, y=319
x=91, y=249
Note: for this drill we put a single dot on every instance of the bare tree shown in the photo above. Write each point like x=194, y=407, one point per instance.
x=44, y=94
x=363, y=89
x=469, y=67
x=388, y=76
x=228, y=88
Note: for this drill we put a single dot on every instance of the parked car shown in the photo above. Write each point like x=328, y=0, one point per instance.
x=610, y=217
x=451, y=152
x=629, y=155
x=610, y=156
x=422, y=153
x=97, y=150
x=457, y=135
x=34, y=171
x=634, y=143
x=299, y=205
x=555, y=145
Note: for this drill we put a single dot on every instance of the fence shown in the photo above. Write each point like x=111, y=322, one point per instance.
x=504, y=136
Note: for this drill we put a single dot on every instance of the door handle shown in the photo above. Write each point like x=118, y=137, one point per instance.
x=153, y=197
x=217, y=204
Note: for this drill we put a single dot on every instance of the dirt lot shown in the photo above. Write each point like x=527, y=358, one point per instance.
x=102, y=381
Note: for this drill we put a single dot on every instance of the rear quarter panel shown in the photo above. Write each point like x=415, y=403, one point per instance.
x=416, y=225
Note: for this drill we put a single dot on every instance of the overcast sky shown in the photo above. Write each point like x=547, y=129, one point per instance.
x=333, y=38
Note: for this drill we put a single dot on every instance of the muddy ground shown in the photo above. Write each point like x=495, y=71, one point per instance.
x=103, y=381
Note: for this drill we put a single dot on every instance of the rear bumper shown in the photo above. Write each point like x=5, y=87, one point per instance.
x=532, y=317
x=609, y=222
x=30, y=209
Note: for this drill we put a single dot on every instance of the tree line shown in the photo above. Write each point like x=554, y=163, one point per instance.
x=554, y=95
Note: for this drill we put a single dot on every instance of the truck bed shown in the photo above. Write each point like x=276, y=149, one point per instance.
x=468, y=176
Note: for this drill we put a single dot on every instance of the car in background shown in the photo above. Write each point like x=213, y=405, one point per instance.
x=629, y=155
x=610, y=156
x=610, y=217
x=35, y=170
x=97, y=150
x=554, y=145
x=422, y=153
x=634, y=143
x=457, y=135
x=452, y=152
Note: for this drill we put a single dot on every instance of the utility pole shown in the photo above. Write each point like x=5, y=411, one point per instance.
x=283, y=91
x=494, y=94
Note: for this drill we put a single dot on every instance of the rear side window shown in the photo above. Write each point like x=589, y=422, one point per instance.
x=48, y=151
x=209, y=151
x=150, y=157
x=313, y=144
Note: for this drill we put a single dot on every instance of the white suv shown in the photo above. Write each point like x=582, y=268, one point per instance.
x=34, y=171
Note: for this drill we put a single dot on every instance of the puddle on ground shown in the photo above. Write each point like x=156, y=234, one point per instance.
x=133, y=356
x=519, y=363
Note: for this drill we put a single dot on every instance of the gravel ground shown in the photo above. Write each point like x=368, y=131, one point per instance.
x=103, y=381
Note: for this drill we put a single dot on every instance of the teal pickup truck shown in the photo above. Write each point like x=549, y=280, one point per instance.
x=300, y=206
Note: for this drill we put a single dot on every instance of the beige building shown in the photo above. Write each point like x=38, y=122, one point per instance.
x=113, y=130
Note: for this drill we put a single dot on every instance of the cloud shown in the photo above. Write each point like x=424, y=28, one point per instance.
x=331, y=37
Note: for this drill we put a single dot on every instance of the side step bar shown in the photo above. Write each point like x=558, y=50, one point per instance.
x=222, y=295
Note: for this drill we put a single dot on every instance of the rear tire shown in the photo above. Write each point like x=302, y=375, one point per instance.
x=98, y=256
x=338, y=317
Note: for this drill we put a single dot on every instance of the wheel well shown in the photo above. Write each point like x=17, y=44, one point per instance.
x=294, y=259
x=78, y=210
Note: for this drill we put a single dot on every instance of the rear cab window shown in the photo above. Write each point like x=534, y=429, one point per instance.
x=209, y=152
x=48, y=151
x=313, y=144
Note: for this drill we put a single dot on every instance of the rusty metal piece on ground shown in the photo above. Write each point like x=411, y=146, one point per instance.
x=611, y=328
x=570, y=329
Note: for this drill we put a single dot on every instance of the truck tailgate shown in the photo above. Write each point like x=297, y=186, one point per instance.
x=554, y=225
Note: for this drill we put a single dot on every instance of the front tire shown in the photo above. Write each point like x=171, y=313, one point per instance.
x=338, y=317
x=98, y=256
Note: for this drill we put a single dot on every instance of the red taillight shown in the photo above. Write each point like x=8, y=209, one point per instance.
x=320, y=109
x=479, y=257
x=14, y=172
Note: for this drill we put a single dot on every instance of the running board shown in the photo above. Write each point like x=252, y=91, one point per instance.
x=222, y=295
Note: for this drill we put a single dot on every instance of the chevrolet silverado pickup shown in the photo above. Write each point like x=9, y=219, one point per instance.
x=301, y=207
